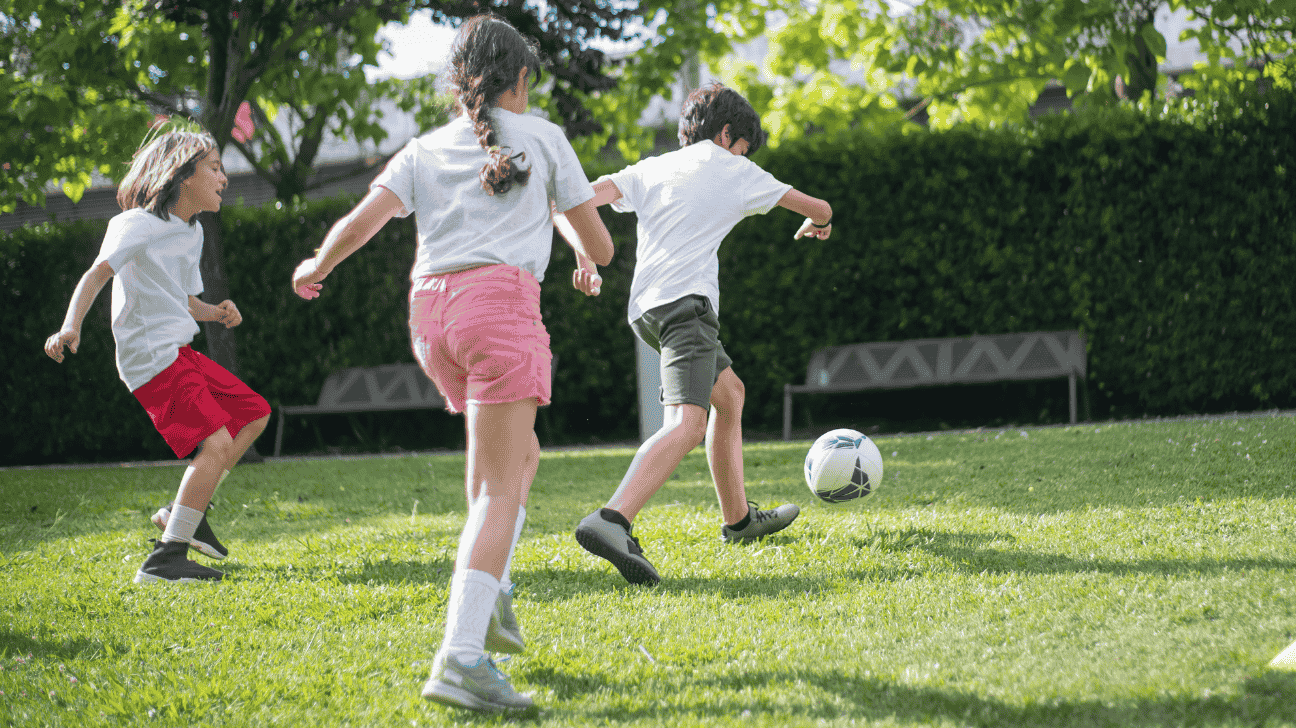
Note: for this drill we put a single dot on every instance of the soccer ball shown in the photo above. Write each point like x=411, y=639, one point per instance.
x=843, y=465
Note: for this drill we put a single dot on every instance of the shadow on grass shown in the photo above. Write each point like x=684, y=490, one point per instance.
x=384, y=571
x=1265, y=699
x=966, y=552
x=21, y=645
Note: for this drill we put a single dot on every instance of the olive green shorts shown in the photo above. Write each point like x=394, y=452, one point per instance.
x=686, y=332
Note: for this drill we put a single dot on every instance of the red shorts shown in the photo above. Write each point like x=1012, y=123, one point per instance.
x=194, y=397
x=478, y=336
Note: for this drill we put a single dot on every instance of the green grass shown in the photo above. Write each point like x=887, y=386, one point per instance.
x=1099, y=575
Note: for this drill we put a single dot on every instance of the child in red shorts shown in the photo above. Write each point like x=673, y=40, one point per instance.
x=151, y=251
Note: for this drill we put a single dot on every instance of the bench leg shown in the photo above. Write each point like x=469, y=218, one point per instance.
x=279, y=434
x=787, y=414
x=1071, y=385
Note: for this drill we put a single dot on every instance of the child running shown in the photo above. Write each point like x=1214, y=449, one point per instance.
x=151, y=251
x=687, y=201
x=481, y=189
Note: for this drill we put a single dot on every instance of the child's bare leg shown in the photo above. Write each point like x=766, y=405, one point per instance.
x=202, y=476
x=683, y=429
x=724, y=445
x=250, y=432
x=501, y=471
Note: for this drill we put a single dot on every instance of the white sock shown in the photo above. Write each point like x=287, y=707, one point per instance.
x=182, y=524
x=506, y=584
x=472, y=599
x=472, y=528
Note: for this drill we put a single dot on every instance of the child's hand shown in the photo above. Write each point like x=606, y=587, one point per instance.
x=55, y=343
x=809, y=230
x=306, y=279
x=586, y=278
x=227, y=313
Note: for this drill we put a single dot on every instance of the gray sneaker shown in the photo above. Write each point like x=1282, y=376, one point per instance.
x=476, y=687
x=763, y=523
x=606, y=534
x=504, y=634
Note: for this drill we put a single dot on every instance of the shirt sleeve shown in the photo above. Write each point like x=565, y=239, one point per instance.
x=124, y=239
x=630, y=185
x=762, y=192
x=398, y=176
x=569, y=187
x=191, y=279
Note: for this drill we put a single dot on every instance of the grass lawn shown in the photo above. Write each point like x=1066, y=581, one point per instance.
x=1137, y=574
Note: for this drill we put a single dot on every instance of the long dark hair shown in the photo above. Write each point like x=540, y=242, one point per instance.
x=485, y=60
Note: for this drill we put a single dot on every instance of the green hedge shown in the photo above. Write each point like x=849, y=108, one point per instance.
x=1168, y=240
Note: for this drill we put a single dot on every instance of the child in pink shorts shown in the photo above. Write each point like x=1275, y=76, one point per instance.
x=151, y=252
x=482, y=189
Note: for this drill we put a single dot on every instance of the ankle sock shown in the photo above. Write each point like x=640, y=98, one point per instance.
x=614, y=516
x=746, y=520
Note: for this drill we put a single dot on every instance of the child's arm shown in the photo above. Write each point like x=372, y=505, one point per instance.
x=818, y=214
x=585, y=232
x=85, y=293
x=226, y=313
x=346, y=237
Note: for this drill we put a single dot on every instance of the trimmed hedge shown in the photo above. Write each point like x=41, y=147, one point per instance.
x=1168, y=240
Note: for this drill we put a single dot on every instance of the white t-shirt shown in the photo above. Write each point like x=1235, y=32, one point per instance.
x=460, y=225
x=687, y=201
x=155, y=269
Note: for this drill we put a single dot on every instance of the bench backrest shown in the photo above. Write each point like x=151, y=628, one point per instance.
x=922, y=362
x=388, y=387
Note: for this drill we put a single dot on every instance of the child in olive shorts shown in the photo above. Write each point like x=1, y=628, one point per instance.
x=687, y=201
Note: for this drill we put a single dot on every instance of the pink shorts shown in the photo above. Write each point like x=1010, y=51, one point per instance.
x=478, y=335
x=194, y=397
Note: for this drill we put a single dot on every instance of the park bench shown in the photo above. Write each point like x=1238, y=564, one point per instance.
x=928, y=362
x=385, y=388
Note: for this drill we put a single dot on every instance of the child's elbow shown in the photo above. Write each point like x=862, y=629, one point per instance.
x=602, y=254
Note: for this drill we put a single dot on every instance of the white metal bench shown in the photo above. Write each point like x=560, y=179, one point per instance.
x=928, y=362
x=385, y=388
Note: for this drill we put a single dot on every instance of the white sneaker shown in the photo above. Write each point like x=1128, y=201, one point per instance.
x=476, y=687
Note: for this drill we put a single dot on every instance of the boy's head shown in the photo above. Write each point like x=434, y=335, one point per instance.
x=161, y=166
x=709, y=109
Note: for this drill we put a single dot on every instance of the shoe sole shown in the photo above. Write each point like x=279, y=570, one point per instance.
x=142, y=578
x=160, y=520
x=442, y=692
x=633, y=572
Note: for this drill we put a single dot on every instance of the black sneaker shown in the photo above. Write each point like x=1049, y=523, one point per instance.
x=606, y=534
x=204, y=540
x=168, y=563
x=763, y=523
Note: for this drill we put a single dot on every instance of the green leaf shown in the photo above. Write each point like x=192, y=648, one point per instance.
x=1076, y=78
x=1155, y=41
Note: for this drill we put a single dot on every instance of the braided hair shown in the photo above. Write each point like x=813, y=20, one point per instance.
x=485, y=60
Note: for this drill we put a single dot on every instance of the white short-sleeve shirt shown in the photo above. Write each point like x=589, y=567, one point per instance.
x=460, y=225
x=155, y=270
x=687, y=202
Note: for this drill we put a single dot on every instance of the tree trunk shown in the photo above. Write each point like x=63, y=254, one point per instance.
x=220, y=340
x=1142, y=66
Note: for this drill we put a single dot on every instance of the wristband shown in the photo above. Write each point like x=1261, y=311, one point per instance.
x=821, y=227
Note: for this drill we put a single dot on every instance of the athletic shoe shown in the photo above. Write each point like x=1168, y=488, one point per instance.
x=606, y=534
x=504, y=634
x=763, y=523
x=168, y=563
x=204, y=540
x=477, y=687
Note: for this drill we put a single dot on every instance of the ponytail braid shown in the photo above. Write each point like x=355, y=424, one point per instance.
x=486, y=58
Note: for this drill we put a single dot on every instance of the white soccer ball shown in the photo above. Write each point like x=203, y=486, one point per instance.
x=843, y=465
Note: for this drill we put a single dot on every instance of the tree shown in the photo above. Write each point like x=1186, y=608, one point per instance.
x=86, y=77
x=966, y=60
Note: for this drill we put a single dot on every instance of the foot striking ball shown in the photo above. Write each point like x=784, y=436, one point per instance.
x=843, y=465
